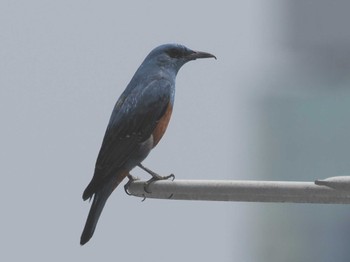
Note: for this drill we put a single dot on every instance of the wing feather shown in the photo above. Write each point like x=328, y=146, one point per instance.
x=132, y=122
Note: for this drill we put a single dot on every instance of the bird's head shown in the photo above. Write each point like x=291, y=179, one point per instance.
x=174, y=56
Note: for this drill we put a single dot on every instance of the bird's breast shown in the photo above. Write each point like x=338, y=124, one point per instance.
x=162, y=125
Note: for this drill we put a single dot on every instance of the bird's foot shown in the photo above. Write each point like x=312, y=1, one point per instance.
x=131, y=179
x=154, y=174
x=154, y=178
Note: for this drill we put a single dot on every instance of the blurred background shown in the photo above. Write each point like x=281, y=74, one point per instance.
x=274, y=106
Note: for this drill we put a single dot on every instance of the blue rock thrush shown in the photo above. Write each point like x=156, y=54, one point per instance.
x=138, y=121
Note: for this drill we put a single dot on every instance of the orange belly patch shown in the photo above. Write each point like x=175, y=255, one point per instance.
x=162, y=125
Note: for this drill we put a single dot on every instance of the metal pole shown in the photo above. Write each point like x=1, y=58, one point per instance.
x=335, y=190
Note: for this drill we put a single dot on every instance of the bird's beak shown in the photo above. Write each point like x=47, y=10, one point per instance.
x=198, y=54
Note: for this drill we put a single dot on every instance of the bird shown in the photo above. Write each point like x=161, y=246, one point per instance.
x=137, y=123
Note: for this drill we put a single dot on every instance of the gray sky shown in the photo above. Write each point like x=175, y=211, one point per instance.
x=63, y=64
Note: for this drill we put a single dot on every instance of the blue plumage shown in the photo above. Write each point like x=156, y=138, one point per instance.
x=138, y=121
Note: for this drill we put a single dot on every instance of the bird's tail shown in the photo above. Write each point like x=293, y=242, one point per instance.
x=100, y=198
x=97, y=205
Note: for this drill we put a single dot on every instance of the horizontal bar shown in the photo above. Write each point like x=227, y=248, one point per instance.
x=249, y=191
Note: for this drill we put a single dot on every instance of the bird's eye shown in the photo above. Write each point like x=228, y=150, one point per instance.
x=175, y=53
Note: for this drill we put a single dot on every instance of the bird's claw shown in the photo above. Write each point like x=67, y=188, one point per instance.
x=170, y=176
x=126, y=186
x=156, y=178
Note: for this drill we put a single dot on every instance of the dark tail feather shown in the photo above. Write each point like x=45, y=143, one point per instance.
x=100, y=198
x=89, y=191
x=98, y=203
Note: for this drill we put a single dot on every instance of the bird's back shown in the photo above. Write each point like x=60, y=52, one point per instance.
x=142, y=111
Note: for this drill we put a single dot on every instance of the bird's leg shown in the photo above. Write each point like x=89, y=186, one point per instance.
x=131, y=179
x=155, y=177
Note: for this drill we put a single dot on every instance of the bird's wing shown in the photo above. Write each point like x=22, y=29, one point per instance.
x=133, y=120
